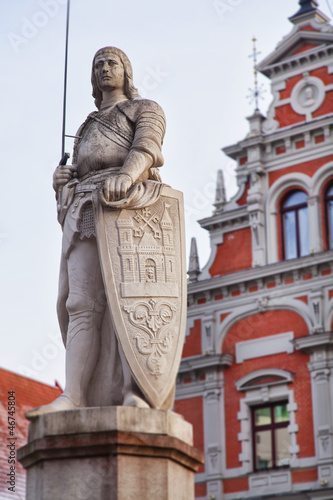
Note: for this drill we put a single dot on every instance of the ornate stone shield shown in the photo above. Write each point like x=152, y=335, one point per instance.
x=142, y=254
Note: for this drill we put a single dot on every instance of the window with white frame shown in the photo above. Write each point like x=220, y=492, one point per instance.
x=270, y=436
x=268, y=424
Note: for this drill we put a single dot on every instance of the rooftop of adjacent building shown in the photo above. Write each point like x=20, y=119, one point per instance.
x=18, y=394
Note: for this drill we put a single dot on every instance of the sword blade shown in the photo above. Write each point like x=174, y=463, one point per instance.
x=65, y=87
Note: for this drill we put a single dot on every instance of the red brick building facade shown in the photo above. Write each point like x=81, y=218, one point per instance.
x=256, y=378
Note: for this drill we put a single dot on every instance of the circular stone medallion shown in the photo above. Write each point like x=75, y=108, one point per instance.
x=307, y=95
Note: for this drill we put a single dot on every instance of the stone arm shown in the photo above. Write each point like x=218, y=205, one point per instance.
x=137, y=163
x=145, y=152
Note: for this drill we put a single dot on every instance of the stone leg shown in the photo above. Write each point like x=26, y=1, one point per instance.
x=86, y=306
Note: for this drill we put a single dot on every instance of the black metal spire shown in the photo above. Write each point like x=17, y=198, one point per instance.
x=309, y=9
x=306, y=6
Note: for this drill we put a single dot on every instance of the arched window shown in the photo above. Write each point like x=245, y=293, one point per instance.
x=295, y=224
x=329, y=215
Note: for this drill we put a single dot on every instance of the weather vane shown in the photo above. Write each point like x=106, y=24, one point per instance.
x=257, y=90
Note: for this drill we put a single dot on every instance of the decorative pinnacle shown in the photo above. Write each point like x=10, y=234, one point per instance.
x=194, y=267
x=220, y=196
x=257, y=91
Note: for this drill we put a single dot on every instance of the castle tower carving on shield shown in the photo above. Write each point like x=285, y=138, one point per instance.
x=147, y=253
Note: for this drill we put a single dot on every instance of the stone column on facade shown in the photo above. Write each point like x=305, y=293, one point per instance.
x=316, y=300
x=213, y=406
x=255, y=207
x=121, y=453
x=208, y=322
x=320, y=367
x=244, y=436
x=315, y=237
x=213, y=418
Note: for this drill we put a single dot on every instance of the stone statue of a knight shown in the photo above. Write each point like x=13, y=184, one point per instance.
x=122, y=286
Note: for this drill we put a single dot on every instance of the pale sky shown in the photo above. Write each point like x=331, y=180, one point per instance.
x=191, y=56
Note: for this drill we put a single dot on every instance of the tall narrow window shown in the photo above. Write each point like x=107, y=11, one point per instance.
x=295, y=225
x=329, y=216
x=270, y=436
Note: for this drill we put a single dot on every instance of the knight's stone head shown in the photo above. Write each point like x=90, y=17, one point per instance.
x=111, y=66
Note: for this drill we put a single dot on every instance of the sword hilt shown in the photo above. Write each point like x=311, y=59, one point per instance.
x=64, y=159
x=62, y=162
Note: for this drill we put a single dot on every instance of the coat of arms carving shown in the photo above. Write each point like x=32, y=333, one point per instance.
x=142, y=256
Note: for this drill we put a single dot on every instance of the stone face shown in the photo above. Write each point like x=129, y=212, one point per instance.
x=113, y=453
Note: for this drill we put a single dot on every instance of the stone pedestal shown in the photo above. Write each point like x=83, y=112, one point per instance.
x=114, y=453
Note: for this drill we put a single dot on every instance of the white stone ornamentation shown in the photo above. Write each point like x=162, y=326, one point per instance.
x=307, y=95
x=156, y=331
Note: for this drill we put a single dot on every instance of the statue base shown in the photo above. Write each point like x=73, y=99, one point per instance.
x=117, y=453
